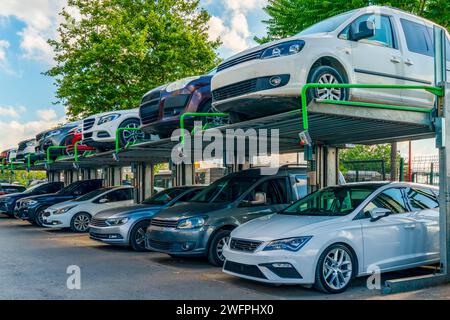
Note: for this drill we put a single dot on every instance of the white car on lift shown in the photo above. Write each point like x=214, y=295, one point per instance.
x=372, y=45
x=76, y=214
x=99, y=131
x=338, y=233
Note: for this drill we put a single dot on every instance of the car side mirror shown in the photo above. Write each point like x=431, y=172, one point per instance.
x=366, y=30
x=378, y=213
x=102, y=201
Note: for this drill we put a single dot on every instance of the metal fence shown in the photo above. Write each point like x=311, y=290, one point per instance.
x=364, y=170
x=424, y=169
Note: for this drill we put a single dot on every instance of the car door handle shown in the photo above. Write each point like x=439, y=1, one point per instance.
x=410, y=226
x=408, y=62
x=395, y=59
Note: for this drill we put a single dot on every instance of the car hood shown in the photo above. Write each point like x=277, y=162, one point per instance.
x=49, y=197
x=279, y=226
x=11, y=195
x=127, y=211
x=189, y=209
x=66, y=204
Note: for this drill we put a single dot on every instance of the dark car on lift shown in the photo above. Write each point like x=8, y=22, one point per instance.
x=32, y=208
x=202, y=225
x=8, y=202
x=162, y=107
x=53, y=138
x=26, y=149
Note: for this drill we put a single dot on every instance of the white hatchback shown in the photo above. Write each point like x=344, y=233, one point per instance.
x=76, y=214
x=372, y=45
x=338, y=233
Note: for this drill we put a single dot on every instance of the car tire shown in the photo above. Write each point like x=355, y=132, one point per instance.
x=132, y=135
x=335, y=269
x=327, y=74
x=137, y=236
x=215, y=256
x=38, y=219
x=80, y=222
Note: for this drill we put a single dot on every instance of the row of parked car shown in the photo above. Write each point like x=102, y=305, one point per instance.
x=257, y=227
x=372, y=45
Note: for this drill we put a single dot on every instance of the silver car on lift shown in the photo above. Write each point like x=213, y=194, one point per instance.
x=126, y=226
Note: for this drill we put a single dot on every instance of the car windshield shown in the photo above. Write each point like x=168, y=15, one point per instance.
x=328, y=25
x=333, y=201
x=227, y=189
x=91, y=195
x=165, y=196
x=32, y=189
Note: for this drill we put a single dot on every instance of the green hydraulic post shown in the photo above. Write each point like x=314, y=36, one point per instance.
x=53, y=148
x=198, y=114
x=402, y=167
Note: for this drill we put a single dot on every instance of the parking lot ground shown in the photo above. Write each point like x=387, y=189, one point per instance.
x=34, y=261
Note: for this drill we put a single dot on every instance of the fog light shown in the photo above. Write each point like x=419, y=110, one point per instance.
x=187, y=246
x=275, y=81
x=281, y=265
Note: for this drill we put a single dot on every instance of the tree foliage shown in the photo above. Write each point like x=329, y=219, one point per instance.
x=288, y=17
x=365, y=152
x=108, y=53
x=21, y=176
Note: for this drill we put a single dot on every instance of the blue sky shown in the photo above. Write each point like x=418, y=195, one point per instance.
x=27, y=96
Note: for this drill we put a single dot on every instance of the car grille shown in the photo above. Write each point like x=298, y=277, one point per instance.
x=235, y=89
x=164, y=223
x=239, y=60
x=88, y=123
x=244, y=245
x=87, y=135
x=159, y=245
x=149, y=109
x=244, y=269
x=98, y=222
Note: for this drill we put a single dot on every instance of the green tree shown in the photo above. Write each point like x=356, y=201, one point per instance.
x=365, y=152
x=110, y=52
x=21, y=176
x=288, y=17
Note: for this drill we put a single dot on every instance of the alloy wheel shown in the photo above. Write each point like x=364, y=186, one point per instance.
x=219, y=248
x=81, y=223
x=140, y=237
x=337, y=269
x=132, y=135
x=329, y=93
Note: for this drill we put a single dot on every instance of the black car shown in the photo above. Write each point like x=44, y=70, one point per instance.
x=8, y=202
x=53, y=138
x=8, y=188
x=32, y=208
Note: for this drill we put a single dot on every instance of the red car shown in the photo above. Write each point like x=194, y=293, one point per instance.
x=72, y=138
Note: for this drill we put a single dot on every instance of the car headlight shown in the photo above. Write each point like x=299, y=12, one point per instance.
x=192, y=223
x=108, y=118
x=116, y=221
x=283, y=49
x=180, y=84
x=63, y=210
x=289, y=244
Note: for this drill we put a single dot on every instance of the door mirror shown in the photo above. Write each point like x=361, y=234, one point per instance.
x=378, y=213
x=366, y=30
x=103, y=200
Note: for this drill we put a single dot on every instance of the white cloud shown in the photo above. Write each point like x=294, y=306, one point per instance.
x=232, y=26
x=3, y=46
x=47, y=114
x=12, y=112
x=41, y=19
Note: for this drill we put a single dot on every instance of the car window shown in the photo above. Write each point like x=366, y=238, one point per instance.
x=189, y=195
x=274, y=189
x=301, y=185
x=384, y=34
x=227, y=189
x=329, y=24
x=87, y=187
x=391, y=199
x=419, y=39
x=420, y=199
x=50, y=188
x=13, y=189
x=119, y=195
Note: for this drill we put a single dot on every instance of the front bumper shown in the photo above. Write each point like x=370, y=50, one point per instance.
x=259, y=266
x=25, y=213
x=104, y=134
x=51, y=220
x=116, y=235
x=178, y=242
